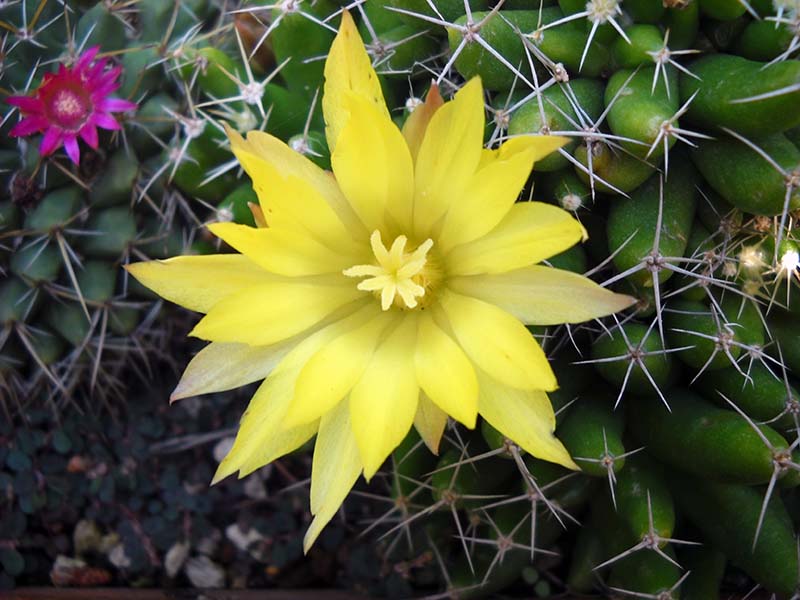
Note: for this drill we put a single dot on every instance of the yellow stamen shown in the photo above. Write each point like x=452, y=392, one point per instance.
x=395, y=273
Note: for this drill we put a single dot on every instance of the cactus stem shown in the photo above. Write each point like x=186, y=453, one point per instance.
x=650, y=541
x=782, y=461
x=22, y=335
x=665, y=595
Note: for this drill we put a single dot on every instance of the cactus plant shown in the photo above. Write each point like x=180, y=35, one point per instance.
x=75, y=328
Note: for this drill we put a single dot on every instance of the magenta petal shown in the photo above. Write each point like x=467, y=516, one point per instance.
x=105, y=88
x=117, y=105
x=26, y=103
x=89, y=135
x=29, y=126
x=96, y=75
x=73, y=151
x=105, y=121
x=101, y=91
x=52, y=139
x=112, y=73
x=115, y=72
x=96, y=72
x=87, y=57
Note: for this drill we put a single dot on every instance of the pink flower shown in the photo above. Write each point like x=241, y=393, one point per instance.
x=72, y=103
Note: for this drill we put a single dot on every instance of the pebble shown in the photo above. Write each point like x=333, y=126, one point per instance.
x=205, y=573
x=175, y=558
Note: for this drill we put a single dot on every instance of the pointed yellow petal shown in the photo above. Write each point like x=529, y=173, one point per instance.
x=332, y=372
x=489, y=196
x=282, y=251
x=494, y=188
x=488, y=156
x=430, y=422
x=539, y=146
x=262, y=437
x=373, y=165
x=445, y=373
x=498, y=343
x=448, y=156
x=417, y=122
x=219, y=367
x=335, y=469
x=384, y=401
x=539, y=295
x=292, y=190
x=280, y=443
x=348, y=69
x=268, y=313
x=199, y=282
x=524, y=416
x=529, y=233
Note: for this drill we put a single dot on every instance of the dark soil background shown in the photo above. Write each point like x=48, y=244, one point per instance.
x=121, y=496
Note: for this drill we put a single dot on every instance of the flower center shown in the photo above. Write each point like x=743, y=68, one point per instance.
x=399, y=277
x=69, y=107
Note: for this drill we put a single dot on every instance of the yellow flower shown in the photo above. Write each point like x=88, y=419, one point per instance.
x=393, y=294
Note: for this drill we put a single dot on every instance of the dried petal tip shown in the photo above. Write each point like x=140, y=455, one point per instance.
x=71, y=104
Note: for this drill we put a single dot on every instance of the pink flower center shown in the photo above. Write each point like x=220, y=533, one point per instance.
x=69, y=107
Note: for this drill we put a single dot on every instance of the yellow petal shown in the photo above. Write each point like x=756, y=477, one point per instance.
x=524, y=416
x=373, y=166
x=539, y=295
x=494, y=188
x=335, y=469
x=282, y=251
x=348, y=69
x=498, y=343
x=262, y=436
x=430, y=422
x=199, y=282
x=488, y=156
x=332, y=372
x=489, y=196
x=539, y=146
x=417, y=122
x=292, y=190
x=384, y=401
x=448, y=156
x=268, y=313
x=279, y=444
x=529, y=233
x=219, y=367
x=445, y=373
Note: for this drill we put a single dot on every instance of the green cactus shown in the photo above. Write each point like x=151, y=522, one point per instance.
x=74, y=328
x=661, y=198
